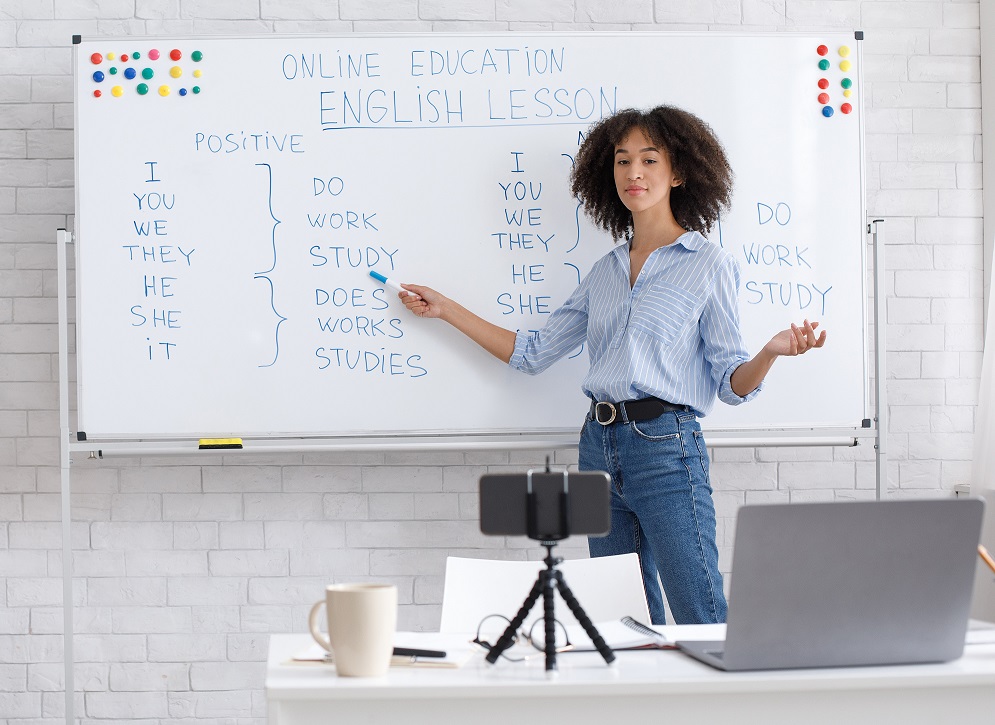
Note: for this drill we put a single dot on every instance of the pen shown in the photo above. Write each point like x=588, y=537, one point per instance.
x=390, y=283
x=986, y=557
x=408, y=652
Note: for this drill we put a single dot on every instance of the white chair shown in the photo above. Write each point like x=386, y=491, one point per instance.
x=608, y=588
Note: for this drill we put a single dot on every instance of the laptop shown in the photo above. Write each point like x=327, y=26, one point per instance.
x=846, y=584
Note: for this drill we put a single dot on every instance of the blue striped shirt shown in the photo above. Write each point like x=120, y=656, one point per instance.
x=674, y=335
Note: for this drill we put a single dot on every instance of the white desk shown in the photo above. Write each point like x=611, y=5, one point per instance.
x=642, y=687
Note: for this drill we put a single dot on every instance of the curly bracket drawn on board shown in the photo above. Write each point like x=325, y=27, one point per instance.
x=262, y=275
x=576, y=244
x=576, y=212
x=576, y=269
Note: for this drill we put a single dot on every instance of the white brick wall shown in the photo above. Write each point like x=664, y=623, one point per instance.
x=181, y=566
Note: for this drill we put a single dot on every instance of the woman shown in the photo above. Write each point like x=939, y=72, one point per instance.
x=659, y=314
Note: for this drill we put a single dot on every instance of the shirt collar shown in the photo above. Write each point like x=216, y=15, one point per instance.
x=692, y=241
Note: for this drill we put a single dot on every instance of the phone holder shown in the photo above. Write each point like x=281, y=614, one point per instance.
x=533, y=530
x=549, y=579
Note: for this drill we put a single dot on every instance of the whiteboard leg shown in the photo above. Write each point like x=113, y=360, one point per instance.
x=880, y=361
x=63, y=238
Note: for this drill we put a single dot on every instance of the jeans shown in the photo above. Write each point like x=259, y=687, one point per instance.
x=661, y=509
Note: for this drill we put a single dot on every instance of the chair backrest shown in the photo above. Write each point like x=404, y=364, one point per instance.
x=607, y=588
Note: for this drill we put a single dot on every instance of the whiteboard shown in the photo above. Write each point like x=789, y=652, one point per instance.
x=234, y=193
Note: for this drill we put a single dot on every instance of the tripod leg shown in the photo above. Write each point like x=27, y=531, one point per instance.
x=508, y=636
x=585, y=621
x=549, y=618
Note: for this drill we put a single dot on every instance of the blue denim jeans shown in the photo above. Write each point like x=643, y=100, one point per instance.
x=661, y=508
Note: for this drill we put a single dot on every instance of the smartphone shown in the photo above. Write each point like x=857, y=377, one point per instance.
x=560, y=504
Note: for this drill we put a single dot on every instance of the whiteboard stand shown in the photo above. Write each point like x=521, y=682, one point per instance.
x=63, y=238
x=880, y=368
x=104, y=154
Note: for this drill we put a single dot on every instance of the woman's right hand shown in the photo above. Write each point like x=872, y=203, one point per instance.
x=425, y=302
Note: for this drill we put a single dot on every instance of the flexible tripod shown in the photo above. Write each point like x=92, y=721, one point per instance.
x=549, y=579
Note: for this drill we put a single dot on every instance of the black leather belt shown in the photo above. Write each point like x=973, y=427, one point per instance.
x=629, y=411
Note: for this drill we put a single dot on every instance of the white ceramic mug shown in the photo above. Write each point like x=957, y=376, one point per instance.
x=362, y=619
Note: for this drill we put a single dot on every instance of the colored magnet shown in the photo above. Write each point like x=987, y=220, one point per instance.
x=147, y=73
x=97, y=93
x=827, y=111
x=117, y=91
x=846, y=83
x=195, y=89
x=163, y=90
x=198, y=73
x=197, y=56
x=113, y=70
x=822, y=49
x=183, y=91
x=823, y=64
x=823, y=98
x=175, y=54
x=130, y=73
x=142, y=89
x=847, y=93
x=153, y=54
x=846, y=108
x=176, y=71
x=844, y=51
x=823, y=83
x=845, y=65
x=98, y=76
x=124, y=57
x=111, y=56
x=96, y=59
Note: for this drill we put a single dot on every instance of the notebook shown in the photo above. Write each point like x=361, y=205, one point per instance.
x=844, y=584
x=620, y=634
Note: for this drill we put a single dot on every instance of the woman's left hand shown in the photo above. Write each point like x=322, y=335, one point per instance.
x=796, y=340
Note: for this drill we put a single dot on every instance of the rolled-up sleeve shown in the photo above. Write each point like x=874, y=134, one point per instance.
x=724, y=348
x=565, y=330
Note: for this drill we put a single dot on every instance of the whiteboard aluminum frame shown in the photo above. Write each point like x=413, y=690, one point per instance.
x=542, y=437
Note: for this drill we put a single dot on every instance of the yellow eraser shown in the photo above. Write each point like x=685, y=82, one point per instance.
x=208, y=443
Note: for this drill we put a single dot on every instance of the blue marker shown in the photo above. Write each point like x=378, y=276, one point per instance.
x=390, y=283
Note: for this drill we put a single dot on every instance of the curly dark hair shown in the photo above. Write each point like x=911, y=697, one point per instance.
x=696, y=156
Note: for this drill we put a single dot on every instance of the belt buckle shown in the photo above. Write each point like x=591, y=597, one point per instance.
x=597, y=416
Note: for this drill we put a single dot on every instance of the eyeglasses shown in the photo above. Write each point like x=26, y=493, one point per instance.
x=493, y=626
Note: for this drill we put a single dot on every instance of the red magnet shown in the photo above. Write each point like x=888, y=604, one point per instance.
x=97, y=93
x=846, y=108
x=823, y=98
x=96, y=58
x=823, y=83
x=175, y=54
x=822, y=50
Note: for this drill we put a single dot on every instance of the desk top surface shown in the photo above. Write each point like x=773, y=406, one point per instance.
x=635, y=672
